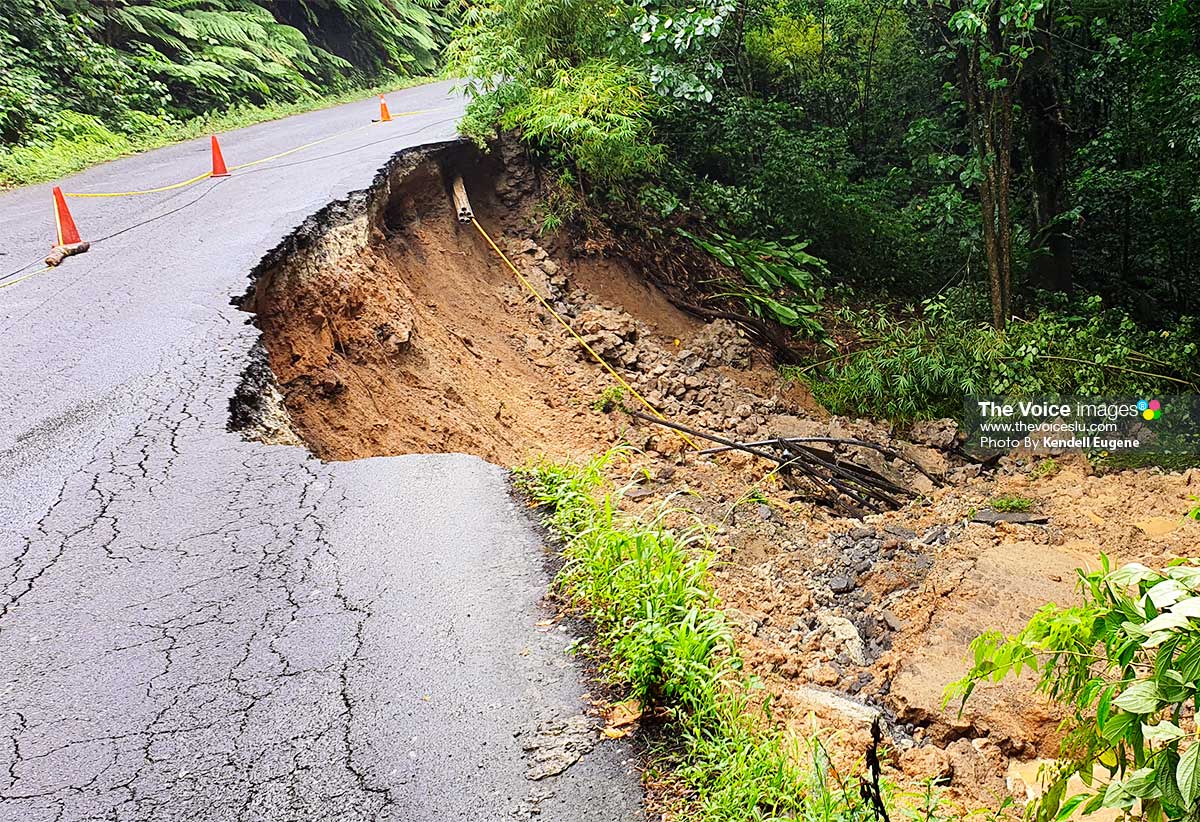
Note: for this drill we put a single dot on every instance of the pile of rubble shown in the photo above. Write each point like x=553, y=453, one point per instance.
x=681, y=382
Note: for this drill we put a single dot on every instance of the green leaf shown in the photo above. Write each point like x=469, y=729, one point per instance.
x=1117, y=797
x=1187, y=774
x=1132, y=574
x=1103, y=707
x=1189, y=607
x=1069, y=806
x=1162, y=732
x=782, y=312
x=1140, y=698
x=1141, y=783
x=1165, y=779
x=1166, y=593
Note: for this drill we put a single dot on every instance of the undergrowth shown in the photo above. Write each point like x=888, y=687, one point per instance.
x=1124, y=665
x=781, y=279
x=644, y=586
x=921, y=365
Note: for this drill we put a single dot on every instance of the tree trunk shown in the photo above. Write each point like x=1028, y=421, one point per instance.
x=1052, y=246
x=989, y=118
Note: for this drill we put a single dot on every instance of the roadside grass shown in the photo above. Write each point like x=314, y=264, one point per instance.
x=644, y=586
x=83, y=141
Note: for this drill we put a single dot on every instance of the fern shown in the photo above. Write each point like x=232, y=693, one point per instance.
x=402, y=32
x=216, y=52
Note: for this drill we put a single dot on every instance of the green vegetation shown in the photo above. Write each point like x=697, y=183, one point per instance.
x=1194, y=513
x=83, y=81
x=644, y=587
x=1011, y=504
x=610, y=399
x=1125, y=664
x=755, y=496
x=1019, y=171
x=780, y=278
x=1048, y=467
x=920, y=364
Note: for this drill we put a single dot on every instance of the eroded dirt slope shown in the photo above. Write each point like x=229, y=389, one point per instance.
x=408, y=342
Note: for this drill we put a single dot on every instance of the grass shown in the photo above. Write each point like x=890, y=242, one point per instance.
x=659, y=628
x=84, y=141
x=1011, y=504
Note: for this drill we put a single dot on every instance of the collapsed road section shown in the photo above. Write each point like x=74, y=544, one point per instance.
x=390, y=326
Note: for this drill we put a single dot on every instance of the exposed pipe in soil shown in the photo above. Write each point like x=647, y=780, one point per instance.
x=461, y=204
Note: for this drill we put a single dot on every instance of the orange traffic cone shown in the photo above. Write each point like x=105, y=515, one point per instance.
x=64, y=226
x=384, y=116
x=219, y=169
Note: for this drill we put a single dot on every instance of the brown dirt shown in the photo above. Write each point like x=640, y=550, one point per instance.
x=399, y=331
x=421, y=342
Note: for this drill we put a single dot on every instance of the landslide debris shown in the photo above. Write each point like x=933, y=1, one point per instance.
x=390, y=328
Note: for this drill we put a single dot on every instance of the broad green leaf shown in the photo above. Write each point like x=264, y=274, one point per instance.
x=1114, y=731
x=782, y=313
x=1140, y=697
x=1162, y=732
x=1161, y=627
x=1132, y=574
x=1069, y=806
x=1189, y=607
x=1165, y=778
x=1141, y=783
x=1188, y=663
x=1189, y=575
x=1117, y=797
x=1166, y=593
x=1187, y=774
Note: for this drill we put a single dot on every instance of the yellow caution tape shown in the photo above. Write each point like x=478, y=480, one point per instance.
x=529, y=287
x=25, y=277
x=208, y=174
x=299, y=148
x=158, y=190
x=326, y=139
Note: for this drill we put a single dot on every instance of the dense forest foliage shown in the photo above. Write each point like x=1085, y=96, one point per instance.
x=996, y=195
x=100, y=71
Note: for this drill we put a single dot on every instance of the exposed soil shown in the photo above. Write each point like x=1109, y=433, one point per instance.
x=394, y=329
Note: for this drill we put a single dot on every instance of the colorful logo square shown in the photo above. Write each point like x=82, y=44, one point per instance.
x=1151, y=409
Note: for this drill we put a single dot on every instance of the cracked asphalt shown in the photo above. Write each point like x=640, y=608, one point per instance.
x=195, y=627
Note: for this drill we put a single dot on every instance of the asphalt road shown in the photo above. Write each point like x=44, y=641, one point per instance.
x=195, y=627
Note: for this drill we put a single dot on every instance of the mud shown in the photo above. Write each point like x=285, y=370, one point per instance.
x=390, y=328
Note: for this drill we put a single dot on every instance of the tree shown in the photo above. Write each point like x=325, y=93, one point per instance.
x=991, y=40
x=1047, y=142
